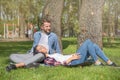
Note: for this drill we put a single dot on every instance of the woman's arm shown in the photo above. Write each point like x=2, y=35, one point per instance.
x=73, y=57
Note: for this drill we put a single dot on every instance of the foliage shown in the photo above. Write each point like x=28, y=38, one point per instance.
x=70, y=18
x=32, y=9
x=111, y=12
x=59, y=73
x=20, y=12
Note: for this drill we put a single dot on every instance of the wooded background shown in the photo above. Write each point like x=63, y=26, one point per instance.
x=83, y=19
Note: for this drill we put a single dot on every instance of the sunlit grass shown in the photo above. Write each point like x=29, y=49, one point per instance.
x=60, y=72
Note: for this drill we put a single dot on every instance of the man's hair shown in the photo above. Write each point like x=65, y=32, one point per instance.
x=46, y=20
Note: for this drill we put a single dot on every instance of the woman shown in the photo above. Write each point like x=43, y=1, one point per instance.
x=88, y=48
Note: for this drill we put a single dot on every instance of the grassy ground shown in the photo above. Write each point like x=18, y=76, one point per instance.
x=59, y=73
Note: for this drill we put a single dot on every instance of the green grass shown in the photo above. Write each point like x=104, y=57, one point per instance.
x=60, y=72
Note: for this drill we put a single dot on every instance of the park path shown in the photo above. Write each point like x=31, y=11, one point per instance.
x=14, y=40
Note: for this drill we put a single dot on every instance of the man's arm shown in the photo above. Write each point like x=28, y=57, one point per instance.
x=57, y=45
x=36, y=40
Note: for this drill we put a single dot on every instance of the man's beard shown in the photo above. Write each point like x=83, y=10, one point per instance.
x=48, y=32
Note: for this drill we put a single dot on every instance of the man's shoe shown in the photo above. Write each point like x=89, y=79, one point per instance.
x=10, y=67
x=113, y=64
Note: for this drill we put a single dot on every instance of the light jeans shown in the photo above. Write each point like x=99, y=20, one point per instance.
x=86, y=49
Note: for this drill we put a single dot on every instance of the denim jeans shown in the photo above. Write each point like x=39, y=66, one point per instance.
x=88, y=48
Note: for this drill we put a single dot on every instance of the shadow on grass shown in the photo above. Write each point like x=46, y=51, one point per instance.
x=6, y=48
x=111, y=45
x=70, y=41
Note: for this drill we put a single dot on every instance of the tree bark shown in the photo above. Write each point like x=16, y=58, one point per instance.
x=53, y=10
x=116, y=19
x=90, y=21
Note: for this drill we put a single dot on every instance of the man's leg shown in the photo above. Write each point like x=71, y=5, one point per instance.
x=17, y=58
x=35, y=58
x=28, y=62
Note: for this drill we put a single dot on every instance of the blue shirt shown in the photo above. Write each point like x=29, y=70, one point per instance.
x=53, y=43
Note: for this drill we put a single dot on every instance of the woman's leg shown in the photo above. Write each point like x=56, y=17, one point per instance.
x=94, y=51
x=91, y=51
x=82, y=50
x=87, y=46
x=100, y=53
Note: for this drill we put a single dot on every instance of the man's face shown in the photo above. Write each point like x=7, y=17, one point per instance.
x=46, y=27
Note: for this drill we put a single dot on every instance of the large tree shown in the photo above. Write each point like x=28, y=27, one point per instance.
x=53, y=10
x=90, y=21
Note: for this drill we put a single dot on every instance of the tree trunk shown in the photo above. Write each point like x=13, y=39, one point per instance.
x=90, y=21
x=109, y=24
x=116, y=19
x=53, y=10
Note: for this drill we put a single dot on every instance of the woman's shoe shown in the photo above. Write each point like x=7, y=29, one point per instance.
x=101, y=64
x=113, y=64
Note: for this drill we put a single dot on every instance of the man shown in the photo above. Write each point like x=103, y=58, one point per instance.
x=45, y=38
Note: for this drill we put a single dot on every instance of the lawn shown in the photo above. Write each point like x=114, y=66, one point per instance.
x=59, y=73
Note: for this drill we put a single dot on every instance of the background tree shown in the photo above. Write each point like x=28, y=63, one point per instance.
x=21, y=12
x=110, y=23
x=116, y=14
x=70, y=18
x=90, y=21
x=29, y=11
x=53, y=10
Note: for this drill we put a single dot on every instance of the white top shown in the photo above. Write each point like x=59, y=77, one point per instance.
x=59, y=57
x=44, y=41
x=29, y=31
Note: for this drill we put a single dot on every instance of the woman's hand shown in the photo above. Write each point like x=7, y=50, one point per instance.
x=75, y=56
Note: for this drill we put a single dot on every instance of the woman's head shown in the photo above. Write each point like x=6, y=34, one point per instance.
x=41, y=49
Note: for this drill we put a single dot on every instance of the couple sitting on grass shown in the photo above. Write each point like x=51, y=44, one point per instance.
x=46, y=48
x=88, y=48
